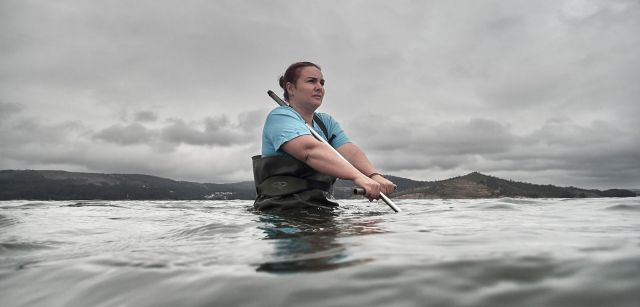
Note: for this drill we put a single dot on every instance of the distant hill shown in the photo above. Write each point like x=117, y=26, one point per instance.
x=62, y=185
x=477, y=185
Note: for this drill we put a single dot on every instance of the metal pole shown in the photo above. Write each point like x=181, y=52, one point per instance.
x=317, y=136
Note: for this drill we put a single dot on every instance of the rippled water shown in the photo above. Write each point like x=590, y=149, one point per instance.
x=504, y=252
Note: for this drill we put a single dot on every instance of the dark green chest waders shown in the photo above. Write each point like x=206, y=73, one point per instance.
x=283, y=182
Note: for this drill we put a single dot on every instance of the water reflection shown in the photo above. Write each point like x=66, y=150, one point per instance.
x=306, y=241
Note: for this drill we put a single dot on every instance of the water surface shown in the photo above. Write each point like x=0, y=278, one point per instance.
x=487, y=252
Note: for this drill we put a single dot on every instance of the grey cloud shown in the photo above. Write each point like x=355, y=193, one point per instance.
x=126, y=135
x=572, y=63
x=7, y=109
x=564, y=132
x=35, y=143
x=252, y=121
x=31, y=130
x=71, y=147
x=399, y=147
x=210, y=131
x=587, y=169
x=456, y=89
x=597, y=148
x=596, y=152
x=142, y=52
x=396, y=162
x=217, y=123
x=477, y=136
x=215, y=133
x=146, y=116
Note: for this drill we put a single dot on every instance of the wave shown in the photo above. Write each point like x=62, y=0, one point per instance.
x=36, y=205
x=319, y=264
x=25, y=246
x=623, y=208
x=93, y=204
x=206, y=231
x=501, y=207
x=6, y=221
x=132, y=264
x=520, y=201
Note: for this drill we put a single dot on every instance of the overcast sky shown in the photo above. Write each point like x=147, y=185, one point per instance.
x=535, y=91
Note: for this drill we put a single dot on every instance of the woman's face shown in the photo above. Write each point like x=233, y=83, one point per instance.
x=308, y=90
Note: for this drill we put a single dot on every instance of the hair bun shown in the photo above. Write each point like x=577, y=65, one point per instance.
x=282, y=82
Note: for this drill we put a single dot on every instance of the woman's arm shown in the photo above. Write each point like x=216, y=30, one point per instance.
x=321, y=158
x=359, y=160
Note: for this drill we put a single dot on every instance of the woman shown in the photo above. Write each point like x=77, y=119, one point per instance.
x=296, y=169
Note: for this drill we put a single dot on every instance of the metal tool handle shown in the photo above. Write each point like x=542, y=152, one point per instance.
x=276, y=98
x=317, y=136
x=360, y=191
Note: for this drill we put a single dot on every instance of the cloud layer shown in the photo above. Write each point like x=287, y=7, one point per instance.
x=541, y=91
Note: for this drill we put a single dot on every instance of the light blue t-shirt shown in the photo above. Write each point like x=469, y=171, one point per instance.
x=284, y=124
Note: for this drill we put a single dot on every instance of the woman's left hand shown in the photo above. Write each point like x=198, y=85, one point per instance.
x=386, y=186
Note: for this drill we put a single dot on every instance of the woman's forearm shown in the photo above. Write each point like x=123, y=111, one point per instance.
x=357, y=158
x=323, y=159
x=320, y=157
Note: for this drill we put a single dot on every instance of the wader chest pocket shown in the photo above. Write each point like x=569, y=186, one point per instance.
x=285, y=185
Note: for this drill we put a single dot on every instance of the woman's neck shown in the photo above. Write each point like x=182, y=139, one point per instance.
x=307, y=115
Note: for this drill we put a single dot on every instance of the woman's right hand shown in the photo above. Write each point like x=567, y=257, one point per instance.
x=370, y=186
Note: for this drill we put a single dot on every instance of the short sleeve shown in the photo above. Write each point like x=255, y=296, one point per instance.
x=282, y=125
x=333, y=128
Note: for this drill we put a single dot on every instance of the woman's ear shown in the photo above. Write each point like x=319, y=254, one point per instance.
x=290, y=87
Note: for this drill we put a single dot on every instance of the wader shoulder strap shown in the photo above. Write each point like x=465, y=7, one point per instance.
x=324, y=129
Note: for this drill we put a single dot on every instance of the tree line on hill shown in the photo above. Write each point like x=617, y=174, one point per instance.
x=61, y=185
